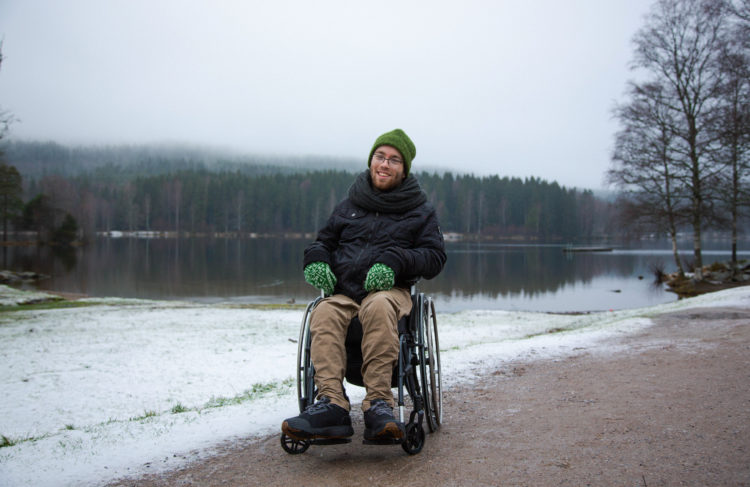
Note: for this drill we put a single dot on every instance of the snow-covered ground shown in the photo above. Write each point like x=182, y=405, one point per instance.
x=121, y=387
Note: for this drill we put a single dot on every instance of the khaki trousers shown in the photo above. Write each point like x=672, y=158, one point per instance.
x=379, y=314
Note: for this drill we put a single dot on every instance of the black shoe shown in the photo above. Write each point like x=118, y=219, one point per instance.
x=320, y=420
x=380, y=425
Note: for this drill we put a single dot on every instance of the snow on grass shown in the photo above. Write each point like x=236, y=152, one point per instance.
x=121, y=387
x=11, y=296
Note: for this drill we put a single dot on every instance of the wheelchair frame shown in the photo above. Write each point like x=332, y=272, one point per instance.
x=418, y=373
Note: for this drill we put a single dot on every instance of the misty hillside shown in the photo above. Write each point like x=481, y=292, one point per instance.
x=35, y=160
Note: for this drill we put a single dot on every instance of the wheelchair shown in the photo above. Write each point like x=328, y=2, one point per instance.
x=416, y=375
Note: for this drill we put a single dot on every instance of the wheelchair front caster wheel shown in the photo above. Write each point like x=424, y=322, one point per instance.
x=414, y=440
x=292, y=446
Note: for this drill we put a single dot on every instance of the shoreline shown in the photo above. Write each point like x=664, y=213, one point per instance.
x=665, y=405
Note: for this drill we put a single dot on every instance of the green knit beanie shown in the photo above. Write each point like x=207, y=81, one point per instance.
x=401, y=142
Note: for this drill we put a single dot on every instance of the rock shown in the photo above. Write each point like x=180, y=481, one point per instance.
x=11, y=277
x=721, y=276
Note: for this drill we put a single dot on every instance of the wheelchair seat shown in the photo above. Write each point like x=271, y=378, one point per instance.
x=354, y=351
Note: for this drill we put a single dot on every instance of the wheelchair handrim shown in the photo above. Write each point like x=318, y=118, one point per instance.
x=434, y=358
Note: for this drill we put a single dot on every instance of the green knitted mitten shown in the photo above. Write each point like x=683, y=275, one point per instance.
x=320, y=275
x=380, y=277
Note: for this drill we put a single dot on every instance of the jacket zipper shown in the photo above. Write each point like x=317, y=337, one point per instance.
x=366, y=249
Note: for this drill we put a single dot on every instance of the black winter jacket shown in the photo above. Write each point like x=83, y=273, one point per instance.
x=354, y=238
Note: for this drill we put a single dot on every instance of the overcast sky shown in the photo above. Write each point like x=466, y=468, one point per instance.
x=508, y=87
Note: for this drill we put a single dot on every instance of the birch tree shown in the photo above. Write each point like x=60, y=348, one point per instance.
x=643, y=164
x=733, y=123
x=679, y=49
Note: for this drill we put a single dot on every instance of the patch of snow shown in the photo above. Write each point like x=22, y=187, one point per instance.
x=123, y=387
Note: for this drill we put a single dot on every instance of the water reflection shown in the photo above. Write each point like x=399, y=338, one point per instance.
x=531, y=277
x=544, y=278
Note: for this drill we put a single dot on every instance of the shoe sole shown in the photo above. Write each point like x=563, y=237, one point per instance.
x=391, y=431
x=330, y=433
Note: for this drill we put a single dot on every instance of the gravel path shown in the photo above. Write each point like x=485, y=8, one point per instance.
x=670, y=407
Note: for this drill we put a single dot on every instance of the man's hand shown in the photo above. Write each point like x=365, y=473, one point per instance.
x=320, y=275
x=380, y=277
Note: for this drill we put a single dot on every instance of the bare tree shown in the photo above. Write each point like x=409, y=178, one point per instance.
x=10, y=179
x=6, y=118
x=643, y=164
x=740, y=10
x=733, y=125
x=679, y=47
x=733, y=130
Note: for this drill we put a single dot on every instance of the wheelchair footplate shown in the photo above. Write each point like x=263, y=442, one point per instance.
x=294, y=446
x=330, y=441
x=384, y=441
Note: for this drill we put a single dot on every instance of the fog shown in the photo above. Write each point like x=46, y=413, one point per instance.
x=501, y=87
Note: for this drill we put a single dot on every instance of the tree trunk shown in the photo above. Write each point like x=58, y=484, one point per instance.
x=676, y=254
x=675, y=251
x=5, y=218
x=697, y=251
x=735, y=197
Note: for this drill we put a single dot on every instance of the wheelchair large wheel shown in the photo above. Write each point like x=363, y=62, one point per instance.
x=432, y=389
x=305, y=384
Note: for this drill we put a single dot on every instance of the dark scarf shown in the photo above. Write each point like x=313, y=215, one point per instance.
x=407, y=196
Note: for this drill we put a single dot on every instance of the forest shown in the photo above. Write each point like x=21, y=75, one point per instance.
x=193, y=192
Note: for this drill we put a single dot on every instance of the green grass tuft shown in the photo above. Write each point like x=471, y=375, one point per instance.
x=179, y=408
x=44, y=306
x=256, y=390
x=267, y=306
x=548, y=332
x=145, y=415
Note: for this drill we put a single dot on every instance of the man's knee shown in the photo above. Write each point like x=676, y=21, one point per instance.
x=392, y=304
x=332, y=314
x=377, y=303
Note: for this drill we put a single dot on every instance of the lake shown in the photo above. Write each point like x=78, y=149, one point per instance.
x=477, y=275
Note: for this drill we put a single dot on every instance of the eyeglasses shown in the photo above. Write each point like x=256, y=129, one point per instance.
x=393, y=162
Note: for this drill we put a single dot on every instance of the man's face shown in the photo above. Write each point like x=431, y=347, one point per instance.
x=387, y=168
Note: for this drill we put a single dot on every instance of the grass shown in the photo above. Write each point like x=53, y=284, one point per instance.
x=179, y=408
x=44, y=305
x=257, y=390
x=145, y=415
x=268, y=306
x=5, y=441
x=548, y=332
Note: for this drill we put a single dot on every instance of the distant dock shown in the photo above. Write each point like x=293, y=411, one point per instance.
x=587, y=249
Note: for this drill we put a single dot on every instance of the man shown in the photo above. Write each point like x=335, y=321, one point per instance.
x=377, y=242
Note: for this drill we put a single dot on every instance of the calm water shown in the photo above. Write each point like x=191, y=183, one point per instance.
x=487, y=276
